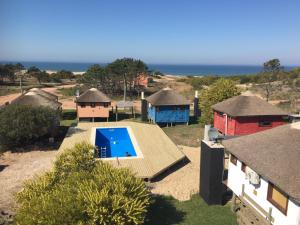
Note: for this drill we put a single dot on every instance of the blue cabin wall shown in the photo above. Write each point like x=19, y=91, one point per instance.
x=169, y=114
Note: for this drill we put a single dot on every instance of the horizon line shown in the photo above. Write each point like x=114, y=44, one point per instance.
x=151, y=63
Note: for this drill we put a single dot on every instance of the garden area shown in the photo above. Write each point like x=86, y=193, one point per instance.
x=167, y=210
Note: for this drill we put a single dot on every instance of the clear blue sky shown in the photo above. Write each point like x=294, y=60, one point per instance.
x=156, y=31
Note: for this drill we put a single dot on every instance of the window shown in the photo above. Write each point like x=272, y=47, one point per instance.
x=243, y=167
x=82, y=105
x=265, y=124
x=105, y=104
x=220, y=114
x=278, y=198
x=233, y=159
x=93, y=105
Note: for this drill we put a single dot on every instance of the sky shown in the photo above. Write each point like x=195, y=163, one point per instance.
x=233, y=32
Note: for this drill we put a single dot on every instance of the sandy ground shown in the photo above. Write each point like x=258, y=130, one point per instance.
x=15, y=168
x=184, y=182
x=8, y=98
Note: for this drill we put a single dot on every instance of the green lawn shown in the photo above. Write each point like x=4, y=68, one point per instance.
x=69, y=118
x=68, y=92
x=185, y=135
x=168, y=211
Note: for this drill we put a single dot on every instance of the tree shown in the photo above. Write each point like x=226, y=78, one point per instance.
x=63, y=74
x=20, y=125
x=41, y=76
x=97, y=75
x=10, y=71
x=81, y=190
x=270, y=74
x=125, y=71
x=219, y=91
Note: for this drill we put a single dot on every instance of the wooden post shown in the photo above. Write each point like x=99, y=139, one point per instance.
x=270, y=216
x=116, y=113
x=243, y=189
x=233, y=206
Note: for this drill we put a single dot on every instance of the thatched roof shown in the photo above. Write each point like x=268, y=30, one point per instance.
x=274, y=154
x=167, y=96
x=32, y=98
x=44, y=93
x=247, y=106
x=93, y=95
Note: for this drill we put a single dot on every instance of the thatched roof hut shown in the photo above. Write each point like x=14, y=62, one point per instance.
x=247, y=106
x=32, y=98
x=93, y=95
x=167, y=96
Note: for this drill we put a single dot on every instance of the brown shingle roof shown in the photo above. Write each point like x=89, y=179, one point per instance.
x=247, y=106
x=167, y=96
x=274, y=154
x=93, y=95
x=34, y=99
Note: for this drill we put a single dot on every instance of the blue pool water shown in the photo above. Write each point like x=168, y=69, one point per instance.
x=114, y=142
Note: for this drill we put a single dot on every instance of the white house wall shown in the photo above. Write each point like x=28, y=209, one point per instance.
x=236, y=178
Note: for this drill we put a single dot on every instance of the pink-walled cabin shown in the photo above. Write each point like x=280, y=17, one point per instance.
x=141, y=80
x=243, y=115
x=93, y=104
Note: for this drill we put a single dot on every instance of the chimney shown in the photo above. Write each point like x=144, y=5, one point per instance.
x=77, y=93
x=196, y=106
x=206, y=130
x=211, y=169
x=144, y=110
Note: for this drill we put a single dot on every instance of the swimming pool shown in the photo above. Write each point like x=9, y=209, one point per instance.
x=114, y=142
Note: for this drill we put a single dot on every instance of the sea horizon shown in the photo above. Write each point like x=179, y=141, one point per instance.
x=168, y=69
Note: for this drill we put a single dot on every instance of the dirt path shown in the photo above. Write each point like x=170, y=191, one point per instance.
x=15, y=168
x=184, y=182
x=8, y=98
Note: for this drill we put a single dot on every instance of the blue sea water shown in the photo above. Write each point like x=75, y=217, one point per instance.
x=192, y=70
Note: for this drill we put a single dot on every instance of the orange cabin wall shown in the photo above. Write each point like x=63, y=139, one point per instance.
x=142, y=80
x=89, y=112
x=245, y=125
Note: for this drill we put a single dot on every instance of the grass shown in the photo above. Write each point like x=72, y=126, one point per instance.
x=68, y=92
x=167, y=211
x=185, y=135
x=69, y=118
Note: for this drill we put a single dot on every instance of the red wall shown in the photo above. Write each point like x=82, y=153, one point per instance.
x=245, y=125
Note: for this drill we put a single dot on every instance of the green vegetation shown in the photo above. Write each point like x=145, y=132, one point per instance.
x=185, y=135
x=221, y=90
x=81, y=190
x=166, y=210
x=63, y=74
x=111, y=79
x=21, y=125
x=68, y=118
x=68, y=92
x=10, y=71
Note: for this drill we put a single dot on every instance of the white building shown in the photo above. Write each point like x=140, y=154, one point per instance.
x=264, y=173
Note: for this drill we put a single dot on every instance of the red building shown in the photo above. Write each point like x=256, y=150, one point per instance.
x=243, y=115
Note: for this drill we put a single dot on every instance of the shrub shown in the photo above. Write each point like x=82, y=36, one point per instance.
x=221, y=90
x=80, y=190
x=21, y=125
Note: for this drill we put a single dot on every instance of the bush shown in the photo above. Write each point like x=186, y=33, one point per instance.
x=221, y=90
x=80, y=190
x=20, y=125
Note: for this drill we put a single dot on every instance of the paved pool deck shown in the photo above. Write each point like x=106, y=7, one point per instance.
x=158, y=151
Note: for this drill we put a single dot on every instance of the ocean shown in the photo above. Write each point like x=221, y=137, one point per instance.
x=184, y=70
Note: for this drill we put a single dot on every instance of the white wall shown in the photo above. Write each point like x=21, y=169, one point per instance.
x=236, y=178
